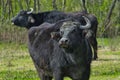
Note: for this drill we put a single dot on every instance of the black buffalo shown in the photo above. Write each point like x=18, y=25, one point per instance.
x=28, y=19
x=52, y=60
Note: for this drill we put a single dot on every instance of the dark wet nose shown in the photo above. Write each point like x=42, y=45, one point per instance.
x=64, y=41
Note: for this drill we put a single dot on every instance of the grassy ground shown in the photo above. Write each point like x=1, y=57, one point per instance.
x=16, y=64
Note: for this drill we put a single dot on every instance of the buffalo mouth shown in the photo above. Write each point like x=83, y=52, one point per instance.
x=14, y=22
x=67, y=47
x=64, y=45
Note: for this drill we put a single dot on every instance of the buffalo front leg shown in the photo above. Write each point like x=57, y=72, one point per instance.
x=44, y=77
x=41, y=74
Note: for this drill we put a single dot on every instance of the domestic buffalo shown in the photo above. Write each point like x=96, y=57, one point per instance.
x=52, y=60
x=29, y=19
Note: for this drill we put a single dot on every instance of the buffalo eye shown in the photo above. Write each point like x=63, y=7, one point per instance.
x=73, y=30
x=61, y=32
x=21, y=18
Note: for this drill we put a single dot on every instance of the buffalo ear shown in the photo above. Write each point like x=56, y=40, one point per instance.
x=31, y=19
x=55, y=35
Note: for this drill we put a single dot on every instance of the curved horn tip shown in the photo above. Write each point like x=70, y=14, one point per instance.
x=31, y=10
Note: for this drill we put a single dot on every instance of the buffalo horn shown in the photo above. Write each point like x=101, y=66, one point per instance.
x=88, y=23
x=31, y=10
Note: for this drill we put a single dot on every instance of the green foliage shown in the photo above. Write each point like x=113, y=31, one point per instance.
x=97, y=7
x=100, y=8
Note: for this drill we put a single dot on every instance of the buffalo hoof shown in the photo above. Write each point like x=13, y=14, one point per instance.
x=95, y=58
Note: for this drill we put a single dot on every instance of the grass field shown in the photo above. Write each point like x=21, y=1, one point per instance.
x=16, y=64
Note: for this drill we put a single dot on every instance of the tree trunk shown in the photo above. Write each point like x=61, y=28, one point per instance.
x=107, y=20
x=83, y=5
x=20, y=4
x=38, y=2
x=64, y=5
x=2, y=9
x=27, y=3
x=35, y=5
x=54, y=4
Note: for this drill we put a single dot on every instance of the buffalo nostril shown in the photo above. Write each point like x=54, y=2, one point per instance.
x=66, y=41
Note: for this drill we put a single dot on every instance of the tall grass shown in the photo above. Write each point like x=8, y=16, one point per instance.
x=12, y=33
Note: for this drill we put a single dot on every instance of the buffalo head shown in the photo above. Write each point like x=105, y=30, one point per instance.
x=24, y=19
x=69, y=31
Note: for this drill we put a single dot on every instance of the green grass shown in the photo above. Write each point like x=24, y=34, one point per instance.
x=107, y=67
x=16, y=64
